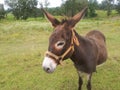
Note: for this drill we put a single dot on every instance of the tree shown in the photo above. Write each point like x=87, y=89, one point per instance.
x=71, y=7
x=107, y=5
x=22, y=9
x=103, y=5
x=2, y=11
x=118, y=6
x=92, y=7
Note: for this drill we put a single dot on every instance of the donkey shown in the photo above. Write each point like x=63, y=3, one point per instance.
x=86, y=52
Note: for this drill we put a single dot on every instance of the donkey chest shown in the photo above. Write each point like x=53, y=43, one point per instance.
x=85, y=65
x=85, y=68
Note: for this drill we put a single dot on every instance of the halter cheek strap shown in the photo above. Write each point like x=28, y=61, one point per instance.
x=59, y=59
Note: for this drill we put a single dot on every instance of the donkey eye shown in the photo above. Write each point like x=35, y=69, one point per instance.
x=60, y=44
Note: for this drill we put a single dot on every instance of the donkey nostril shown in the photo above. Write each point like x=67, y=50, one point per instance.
x=47, y=69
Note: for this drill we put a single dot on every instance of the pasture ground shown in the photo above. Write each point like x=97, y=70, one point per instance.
x=22, y=47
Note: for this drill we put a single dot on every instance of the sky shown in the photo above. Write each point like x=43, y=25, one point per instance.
x=53, y=3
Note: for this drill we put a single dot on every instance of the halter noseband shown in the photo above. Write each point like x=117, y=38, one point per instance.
x=60, y=58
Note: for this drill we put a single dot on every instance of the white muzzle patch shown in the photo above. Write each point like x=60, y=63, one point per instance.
x=49, y=65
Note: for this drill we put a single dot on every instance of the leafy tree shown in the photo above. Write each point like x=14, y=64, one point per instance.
x=22, y=9
x=96, y=4
x=107, y=5
x=70, y=7
x=2, y=11
x=92, y=7
x=118, y=6
x=103, y=5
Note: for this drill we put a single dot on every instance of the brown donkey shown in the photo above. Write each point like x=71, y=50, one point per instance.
x=86, y=52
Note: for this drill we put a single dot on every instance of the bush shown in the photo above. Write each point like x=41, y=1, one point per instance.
x=118, y=7
x=2, y=11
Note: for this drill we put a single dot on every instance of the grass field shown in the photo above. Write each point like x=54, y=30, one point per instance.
x=22, y=47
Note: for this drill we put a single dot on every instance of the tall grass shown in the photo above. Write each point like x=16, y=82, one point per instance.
x=22, y=47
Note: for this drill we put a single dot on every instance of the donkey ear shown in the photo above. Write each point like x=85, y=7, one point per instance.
x=77, y=17
x=51, y=18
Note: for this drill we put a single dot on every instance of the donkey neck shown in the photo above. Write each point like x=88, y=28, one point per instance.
x=85, y=54
x=79, y=49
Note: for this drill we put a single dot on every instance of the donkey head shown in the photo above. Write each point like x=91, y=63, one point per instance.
x=61, y=44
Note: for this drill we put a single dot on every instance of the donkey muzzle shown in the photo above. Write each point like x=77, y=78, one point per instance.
x=49, y=65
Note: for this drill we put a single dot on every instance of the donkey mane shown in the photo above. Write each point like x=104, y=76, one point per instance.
x=67, y=20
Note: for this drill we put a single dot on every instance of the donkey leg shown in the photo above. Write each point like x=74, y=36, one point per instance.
x=89, y=81
x=80, y=83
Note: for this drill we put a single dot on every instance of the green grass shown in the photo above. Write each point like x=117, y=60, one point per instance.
x=22, y=47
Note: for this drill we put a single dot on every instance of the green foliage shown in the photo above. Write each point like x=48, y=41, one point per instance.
x=118, y=6
x=22, y=9
x=92, y=7
x=107, y=5
x=71, y=7
x=2, y=12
